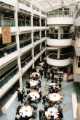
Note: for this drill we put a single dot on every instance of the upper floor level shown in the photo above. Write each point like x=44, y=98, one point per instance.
x=22, y=6
x=61, y=16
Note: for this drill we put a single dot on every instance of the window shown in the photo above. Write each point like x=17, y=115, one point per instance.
x=78, y=61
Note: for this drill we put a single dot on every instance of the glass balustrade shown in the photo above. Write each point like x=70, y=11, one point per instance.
x=7, y=22
x=62, y=12
x=43, y=22
x=36, y=50
x=61, y=56
x=36, y=21
x=26, y=60
x=24, y=22
x=11, y=22
x=23, y=43
x=36, y=38
x=62, y=36
x=7, y=49
x=8, y=75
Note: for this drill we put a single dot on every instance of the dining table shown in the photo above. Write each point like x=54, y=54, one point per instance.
x=34, y=95
x=26, y=110
x=33, y=83
x=51, y=111
x=54, y=97
x=34, y=74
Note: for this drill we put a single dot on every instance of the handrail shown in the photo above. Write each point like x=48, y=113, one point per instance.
x=12, y=47
x=62, y=13
x=62, y=56
x=62, y=36
x=26, y=60
x=8, y=75
x=13, y=44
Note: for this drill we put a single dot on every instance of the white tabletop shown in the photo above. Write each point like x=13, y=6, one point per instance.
x=52, y=111
x=41, y=63
x=34, y=74
x=26, y=111
x=34, y=95
x=33, y=83
x=53, y=84
x=54, y=97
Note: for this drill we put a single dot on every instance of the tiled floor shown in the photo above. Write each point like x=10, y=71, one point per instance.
x=67, y=90
x=67, y=102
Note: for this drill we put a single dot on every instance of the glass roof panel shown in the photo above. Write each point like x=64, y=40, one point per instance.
x=48, y=5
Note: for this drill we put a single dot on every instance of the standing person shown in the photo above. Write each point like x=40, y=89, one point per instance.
x=41, y=72
x=20, y=96
x=45, y=67
x=48, y=74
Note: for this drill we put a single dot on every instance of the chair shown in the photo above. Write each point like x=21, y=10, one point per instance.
x=41, y=115
x=34, y=106
x=27, y=84
x=18, y=108
x=34, y=115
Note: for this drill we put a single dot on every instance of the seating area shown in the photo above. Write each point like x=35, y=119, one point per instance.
x=35, y=102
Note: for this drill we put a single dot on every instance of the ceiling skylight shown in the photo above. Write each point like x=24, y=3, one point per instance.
x=48, y=5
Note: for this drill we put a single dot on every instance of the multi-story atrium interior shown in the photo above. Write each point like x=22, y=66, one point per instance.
x=39, y=60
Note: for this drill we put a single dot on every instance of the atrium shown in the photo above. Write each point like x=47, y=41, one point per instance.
x=39, y=59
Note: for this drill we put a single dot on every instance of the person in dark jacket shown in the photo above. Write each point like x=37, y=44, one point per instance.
x=20, y=96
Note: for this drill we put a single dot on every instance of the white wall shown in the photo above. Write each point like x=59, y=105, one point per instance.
x=59, y=42
x=59, y=20
x=59, y=63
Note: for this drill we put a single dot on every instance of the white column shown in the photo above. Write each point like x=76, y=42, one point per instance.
x=40, y=37
x=58, y=54
x=32, y=36
x=25, y=20
x=18, y=44
x=46, y=36
x=59, y=33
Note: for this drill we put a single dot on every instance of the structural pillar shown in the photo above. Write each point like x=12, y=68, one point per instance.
x=40, y=38
x=32, y=36
x=18, y=44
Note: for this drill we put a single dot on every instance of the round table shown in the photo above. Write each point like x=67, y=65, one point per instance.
x=54, y=85
x=34, y=74
x=34, y=95
x=26, y=111
x=41, y=63
x=52, y=111
x=54, y=97
x=33, y=83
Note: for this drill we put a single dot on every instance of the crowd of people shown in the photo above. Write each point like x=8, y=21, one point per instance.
x=32, y=95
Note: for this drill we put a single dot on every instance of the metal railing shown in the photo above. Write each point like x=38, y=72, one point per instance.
x=62, y=36
x=7, y=49
x=36, y=51
x=7, y=22
x=25, y=61
x=8, y=75
x=25, y=42
x=36, y=38
x=62, y=56
x=11, y=22
x=60, y=13
x=22, y=22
